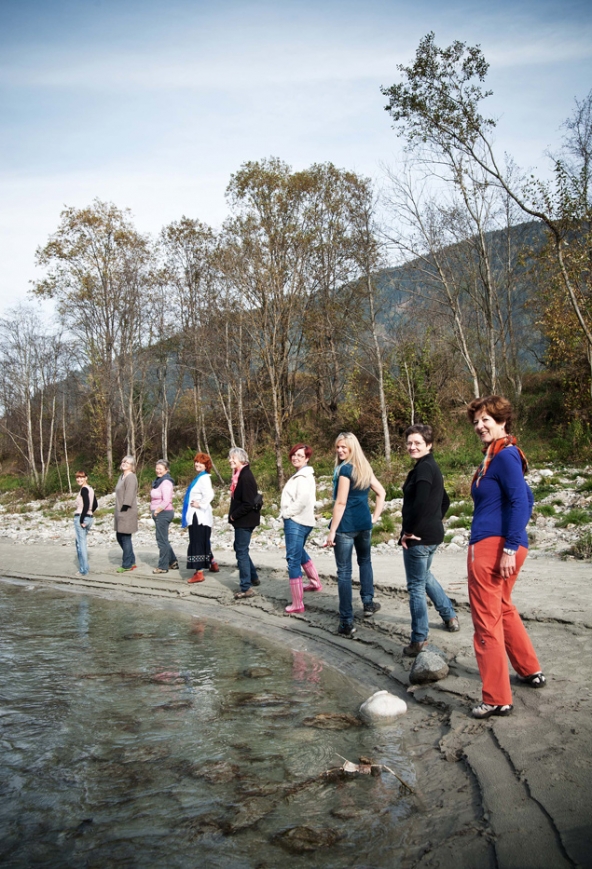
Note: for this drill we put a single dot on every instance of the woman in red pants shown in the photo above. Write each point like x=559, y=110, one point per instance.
x=497, y=550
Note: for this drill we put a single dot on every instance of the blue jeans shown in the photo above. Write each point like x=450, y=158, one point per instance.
x=246, y=568
x=81, y=545
x=166, y=556
x=125, y=541
x=296, y=555
x=344, y=544
x=421, y=581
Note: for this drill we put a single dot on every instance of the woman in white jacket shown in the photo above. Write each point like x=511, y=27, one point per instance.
x=198, y=518
x=297, y=511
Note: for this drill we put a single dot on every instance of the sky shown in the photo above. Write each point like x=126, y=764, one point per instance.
x=153, y=105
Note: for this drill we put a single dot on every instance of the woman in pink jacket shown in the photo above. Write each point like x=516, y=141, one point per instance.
x=161, y=508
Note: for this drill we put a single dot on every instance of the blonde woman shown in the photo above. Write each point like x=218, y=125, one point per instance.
x=351, y=526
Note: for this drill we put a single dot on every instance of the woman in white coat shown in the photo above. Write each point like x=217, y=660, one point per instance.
x=297, y=511
x=198, y=518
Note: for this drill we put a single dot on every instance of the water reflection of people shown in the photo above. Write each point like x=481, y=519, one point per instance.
x=86, y=504
x=198, y=518
x=161, y=509
x=297, y=511
x=126, y=512
x=498, y=547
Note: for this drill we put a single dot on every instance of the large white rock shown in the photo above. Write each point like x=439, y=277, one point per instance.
x=382, y=707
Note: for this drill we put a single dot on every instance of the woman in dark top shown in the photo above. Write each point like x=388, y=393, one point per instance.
x=497, y=550
x=425, y=503
x=86, y=504
x=244, y=516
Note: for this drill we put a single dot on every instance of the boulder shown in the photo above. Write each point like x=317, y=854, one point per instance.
x=382, y=708
x=428, y=667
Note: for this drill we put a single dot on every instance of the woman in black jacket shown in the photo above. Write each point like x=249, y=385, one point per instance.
x=244, y=516
x=425, y=503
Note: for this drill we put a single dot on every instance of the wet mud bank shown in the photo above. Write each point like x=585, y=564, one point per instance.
x=512, y=792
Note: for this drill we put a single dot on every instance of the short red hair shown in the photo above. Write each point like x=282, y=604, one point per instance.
x=305, y=447
x=204, y=459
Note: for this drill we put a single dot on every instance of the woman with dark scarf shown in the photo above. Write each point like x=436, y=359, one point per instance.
x=161, y=509
x=198, y=518
x=497, y=550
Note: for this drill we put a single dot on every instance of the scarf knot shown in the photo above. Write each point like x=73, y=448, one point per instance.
x=491, y=451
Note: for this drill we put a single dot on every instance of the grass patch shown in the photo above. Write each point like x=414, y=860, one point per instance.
x=543, y=489
x=586, y=487
x=448, y=536
x=577, y=516
x=544, y=510
x=460, y=522
x=383, y=530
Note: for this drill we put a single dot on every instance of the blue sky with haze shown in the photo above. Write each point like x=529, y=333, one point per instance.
x=153, y=105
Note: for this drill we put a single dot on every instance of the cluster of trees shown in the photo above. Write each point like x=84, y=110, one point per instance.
x=288, y=319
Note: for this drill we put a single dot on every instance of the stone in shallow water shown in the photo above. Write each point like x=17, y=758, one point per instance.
x=304, y=838
x=332, y=721
x=245, y=698
x=382, y=708
x=217, y=772
x=428, y=667
x=257, y=672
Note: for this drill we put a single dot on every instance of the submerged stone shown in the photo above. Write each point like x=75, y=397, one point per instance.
x=257, y=672
x=332, y=721
x=218, y=772
x=244, y=698
x=304, y=838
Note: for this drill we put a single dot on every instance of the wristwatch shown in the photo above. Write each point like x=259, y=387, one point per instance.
x=509, y=551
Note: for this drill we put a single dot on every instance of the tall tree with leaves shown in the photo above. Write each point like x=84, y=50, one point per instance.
x=266, y=246
x=98, y=272
x=437, y=107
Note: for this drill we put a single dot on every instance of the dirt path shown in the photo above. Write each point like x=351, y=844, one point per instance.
x=513, y=792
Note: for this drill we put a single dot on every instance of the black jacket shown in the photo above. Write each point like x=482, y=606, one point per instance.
x=242, y=513
x=425, y=503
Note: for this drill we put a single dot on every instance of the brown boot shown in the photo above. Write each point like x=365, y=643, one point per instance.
x=413, y=649
x=197, y=576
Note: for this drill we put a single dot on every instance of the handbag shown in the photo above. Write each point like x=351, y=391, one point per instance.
x=258, y=501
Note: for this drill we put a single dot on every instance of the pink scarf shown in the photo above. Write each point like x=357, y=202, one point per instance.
x=234, y=480
x=491, y=452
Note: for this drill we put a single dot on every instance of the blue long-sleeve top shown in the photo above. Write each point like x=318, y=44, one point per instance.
x=503, y=501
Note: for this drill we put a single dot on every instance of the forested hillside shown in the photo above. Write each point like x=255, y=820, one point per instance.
x=320, y=304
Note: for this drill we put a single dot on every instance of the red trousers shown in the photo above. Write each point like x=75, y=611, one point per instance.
x=498, y=626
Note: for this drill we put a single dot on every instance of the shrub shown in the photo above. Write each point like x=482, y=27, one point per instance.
x=582, y=548
x=393, y=491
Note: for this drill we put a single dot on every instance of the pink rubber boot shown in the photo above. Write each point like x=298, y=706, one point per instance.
x=297, y=605
x=311, y=571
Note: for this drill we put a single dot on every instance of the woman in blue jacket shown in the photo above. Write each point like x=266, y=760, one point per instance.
x=497, y=550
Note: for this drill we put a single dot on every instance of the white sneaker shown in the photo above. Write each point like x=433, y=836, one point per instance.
x=484, y=710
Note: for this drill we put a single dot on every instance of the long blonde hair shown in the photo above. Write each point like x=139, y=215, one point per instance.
x=362, y=471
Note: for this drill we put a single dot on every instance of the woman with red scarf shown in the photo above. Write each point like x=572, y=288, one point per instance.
x=497, y=550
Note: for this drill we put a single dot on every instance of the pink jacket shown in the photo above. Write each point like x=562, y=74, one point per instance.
x=162, y=497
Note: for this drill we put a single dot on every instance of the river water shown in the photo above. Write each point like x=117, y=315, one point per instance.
x=137, y=736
